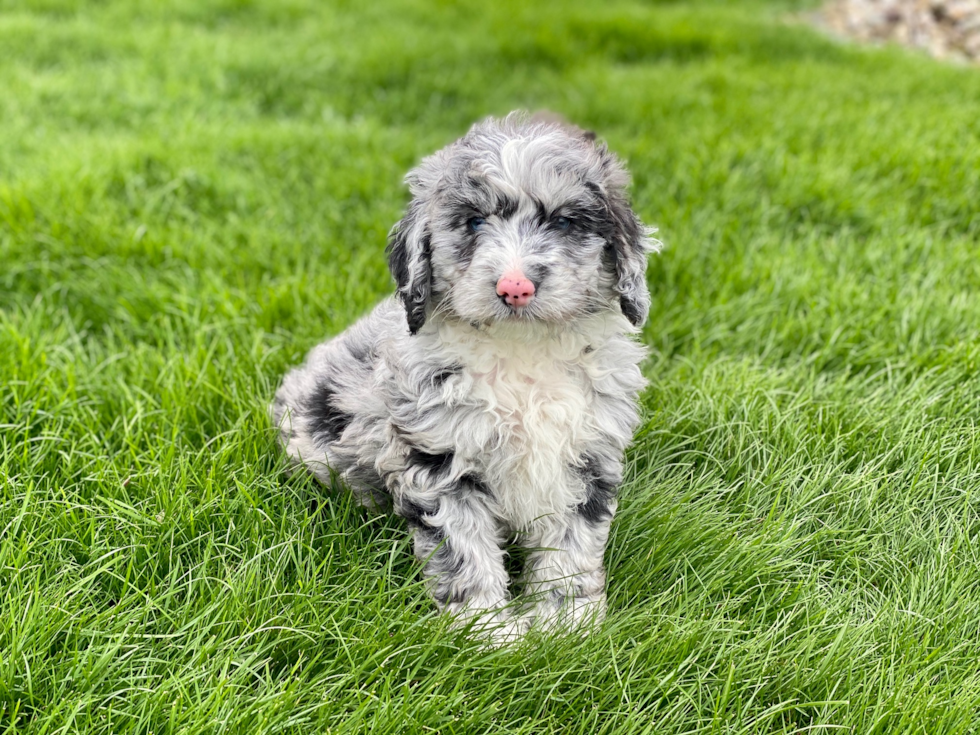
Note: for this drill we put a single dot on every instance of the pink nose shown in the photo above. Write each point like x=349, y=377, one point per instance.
x=515, y=288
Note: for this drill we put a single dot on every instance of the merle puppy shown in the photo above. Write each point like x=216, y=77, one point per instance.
x=493, y=398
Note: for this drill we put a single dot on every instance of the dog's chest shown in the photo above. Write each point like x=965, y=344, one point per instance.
x=532, y=421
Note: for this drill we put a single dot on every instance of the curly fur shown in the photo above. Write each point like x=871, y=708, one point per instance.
x=480, y=422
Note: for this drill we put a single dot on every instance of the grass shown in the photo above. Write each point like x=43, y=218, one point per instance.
x=193, y=194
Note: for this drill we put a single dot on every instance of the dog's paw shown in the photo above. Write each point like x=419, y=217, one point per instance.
x=499, y=626
x=509, y=632
x=560, y=614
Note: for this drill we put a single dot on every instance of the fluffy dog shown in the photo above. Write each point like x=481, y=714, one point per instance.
x=492, y=398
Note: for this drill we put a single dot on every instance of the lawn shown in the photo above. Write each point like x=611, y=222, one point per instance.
x=192, y=194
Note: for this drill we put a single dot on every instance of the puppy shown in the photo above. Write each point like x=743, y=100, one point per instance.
x=491, y=399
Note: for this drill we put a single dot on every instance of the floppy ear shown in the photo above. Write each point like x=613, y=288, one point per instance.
x=628, y=240
x=408, y=259
x=630, y=245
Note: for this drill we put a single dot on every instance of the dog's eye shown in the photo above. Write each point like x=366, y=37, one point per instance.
x=476, y=223
x=562, y=223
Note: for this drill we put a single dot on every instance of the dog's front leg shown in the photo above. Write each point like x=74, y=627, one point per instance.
x=461, y=544
x=564, y=572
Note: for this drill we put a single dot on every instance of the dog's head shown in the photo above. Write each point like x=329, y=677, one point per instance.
x=520, y=220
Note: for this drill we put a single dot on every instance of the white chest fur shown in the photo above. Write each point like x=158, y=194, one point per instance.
x=530, y=416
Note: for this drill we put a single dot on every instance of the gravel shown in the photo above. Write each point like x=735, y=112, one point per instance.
x=947, y=29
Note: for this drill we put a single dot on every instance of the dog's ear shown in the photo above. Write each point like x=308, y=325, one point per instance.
x=408, y=259
x=627, y=239
x=630, y=245
x=410, y=240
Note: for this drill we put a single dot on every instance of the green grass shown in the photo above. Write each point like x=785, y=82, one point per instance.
x=193, y=194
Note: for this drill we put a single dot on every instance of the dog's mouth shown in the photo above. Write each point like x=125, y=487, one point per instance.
x=526, y=312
